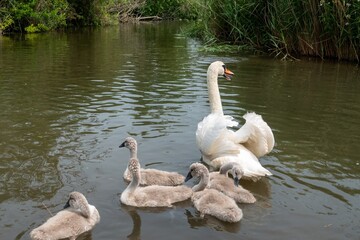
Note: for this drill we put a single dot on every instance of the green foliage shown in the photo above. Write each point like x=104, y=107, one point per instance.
x=325, y=28
x=6, y=23
x=38, y=28
x=33, y=15
x=225, y=48
x=185, y=9
x=43, y=15
x=86, y=12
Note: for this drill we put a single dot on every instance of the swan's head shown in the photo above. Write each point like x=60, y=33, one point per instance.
x=221, y=70
x=196, y=170
x=129, y=143
x=237, y=174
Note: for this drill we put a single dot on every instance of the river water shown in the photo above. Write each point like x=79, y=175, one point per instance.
x=69, y=99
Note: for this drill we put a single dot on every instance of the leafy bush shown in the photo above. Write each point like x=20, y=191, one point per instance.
x=38, y=28
x=32, y=15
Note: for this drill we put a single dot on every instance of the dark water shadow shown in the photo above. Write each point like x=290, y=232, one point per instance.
x=85, y=236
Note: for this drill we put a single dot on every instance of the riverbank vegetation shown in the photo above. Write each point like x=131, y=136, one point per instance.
x=28, y=16
x=285, y=28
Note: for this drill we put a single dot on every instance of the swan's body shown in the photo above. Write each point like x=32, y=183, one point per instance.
x=77, y=217
x=210, y=201
x=151, y=196
x=220, y=145
x=221, y=182
x=150, y=176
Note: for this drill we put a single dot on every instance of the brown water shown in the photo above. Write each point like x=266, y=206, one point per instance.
x=69, y=99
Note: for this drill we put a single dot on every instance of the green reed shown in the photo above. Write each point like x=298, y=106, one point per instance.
x=287, y=28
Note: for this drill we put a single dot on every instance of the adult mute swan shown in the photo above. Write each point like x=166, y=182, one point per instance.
x=150, y=176
x=151, y=196
x=210, y=201
x=77, y=217
x=221, y=182
x=219, y=145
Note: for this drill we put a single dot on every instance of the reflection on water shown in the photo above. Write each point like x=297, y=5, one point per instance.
x=69, y=99
x=135, y=217
x=195, y=221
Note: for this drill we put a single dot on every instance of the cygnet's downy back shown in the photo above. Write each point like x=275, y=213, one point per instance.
x=210, y=201
x=77, y=217
x=231, y=188
x=150, y=176
x=151, y=196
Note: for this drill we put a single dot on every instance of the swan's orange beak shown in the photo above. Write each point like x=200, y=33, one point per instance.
x=228, y=74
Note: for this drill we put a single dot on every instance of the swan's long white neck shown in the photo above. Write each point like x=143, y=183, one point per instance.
x=213, y=89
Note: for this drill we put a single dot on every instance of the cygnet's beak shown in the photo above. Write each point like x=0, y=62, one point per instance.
x=122, y=145
x=188, y=177
x=228, y=74
x=67, y=204
x=236, y=181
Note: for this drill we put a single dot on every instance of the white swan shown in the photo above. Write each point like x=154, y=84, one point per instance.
x=151, y=196
x=219, y=145
x=210, y=201
x=150, y=176
x=77, y=217
x=221, y=182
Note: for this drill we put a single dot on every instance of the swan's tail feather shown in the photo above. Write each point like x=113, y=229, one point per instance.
x=255, y=135
x=256, y=175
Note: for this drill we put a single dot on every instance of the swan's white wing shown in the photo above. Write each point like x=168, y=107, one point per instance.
x=255, y=135
x=212, y=136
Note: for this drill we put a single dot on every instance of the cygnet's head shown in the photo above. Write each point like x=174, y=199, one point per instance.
x=77, y=201
x=237, y=174
x=221, y=69
x=129, y=143
x=196, y=170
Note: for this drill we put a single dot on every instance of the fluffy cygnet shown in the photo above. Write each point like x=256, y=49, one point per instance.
x=231, y=188
x=151, y=196
x=210, y=201
x=77, y=217
x=150, y=176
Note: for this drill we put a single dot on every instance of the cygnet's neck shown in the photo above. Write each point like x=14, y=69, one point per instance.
x=133, y=151
x=204, y=181
x=85, y=210
x=81, y=205
x=135, y=181
x=213, y=90
x=226, y=168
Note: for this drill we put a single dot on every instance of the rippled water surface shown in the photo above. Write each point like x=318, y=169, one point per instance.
x=69, y=99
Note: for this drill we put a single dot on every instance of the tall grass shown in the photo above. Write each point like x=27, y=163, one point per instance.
x=286, y=28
